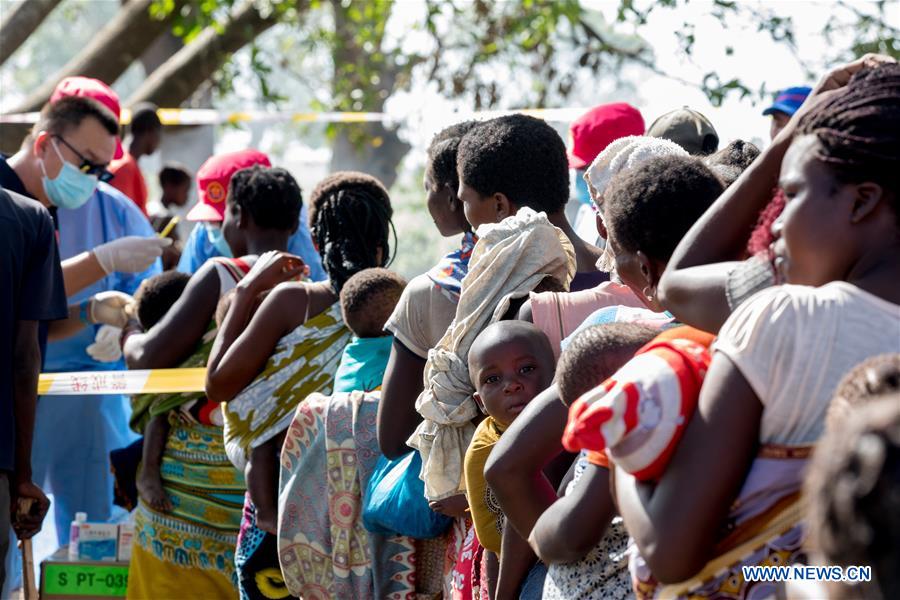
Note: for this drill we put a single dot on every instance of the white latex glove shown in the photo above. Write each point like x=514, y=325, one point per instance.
x=106, y=344
x=131, y=254
x=110, y=308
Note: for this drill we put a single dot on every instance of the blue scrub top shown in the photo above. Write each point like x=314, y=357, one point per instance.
x=197, y=250
x=107, y=216
x=74, y=434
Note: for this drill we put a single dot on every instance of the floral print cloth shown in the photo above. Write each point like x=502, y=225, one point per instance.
x=327, y=459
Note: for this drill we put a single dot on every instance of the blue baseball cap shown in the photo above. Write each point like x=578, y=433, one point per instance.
x=789, y=100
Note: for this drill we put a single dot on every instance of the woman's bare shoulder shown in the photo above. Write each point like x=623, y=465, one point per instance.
x=302, y=299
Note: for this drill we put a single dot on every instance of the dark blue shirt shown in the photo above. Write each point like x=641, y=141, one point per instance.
x=31, y=289
x=10, y=181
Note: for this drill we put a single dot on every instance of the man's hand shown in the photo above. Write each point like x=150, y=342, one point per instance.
x=131, y=254
x=110, y=308
x=26, y=523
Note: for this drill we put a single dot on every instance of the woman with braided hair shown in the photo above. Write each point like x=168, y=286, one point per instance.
x=264, y=363
x=710, y=273
x=730, y=495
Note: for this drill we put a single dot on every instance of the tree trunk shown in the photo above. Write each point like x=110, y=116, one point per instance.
x=379, y=159
x=160, y=51
x=112, y=50
x=189, y=146
x=179, y=77
x=20, y=22
x=368, y=147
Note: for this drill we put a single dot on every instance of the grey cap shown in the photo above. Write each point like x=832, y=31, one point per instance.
x=687, y=128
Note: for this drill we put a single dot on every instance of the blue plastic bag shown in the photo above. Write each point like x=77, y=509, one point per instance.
x=394, y=501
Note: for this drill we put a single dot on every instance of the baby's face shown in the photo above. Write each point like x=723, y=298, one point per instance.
x=507, y=377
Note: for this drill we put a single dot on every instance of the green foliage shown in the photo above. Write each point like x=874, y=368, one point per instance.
x=873, y=31
x=506, y=54
x=868, y=24
x=474, y=43
x=61, y=36
x=477, y=49
x=468, y=43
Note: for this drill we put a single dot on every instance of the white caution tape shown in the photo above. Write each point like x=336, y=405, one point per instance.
x=151, y=381
x=209, y=116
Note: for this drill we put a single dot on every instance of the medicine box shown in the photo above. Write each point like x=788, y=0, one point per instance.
x=97, y=541
x=123, y=547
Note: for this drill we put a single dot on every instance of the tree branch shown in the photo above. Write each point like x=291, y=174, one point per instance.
x=111, y=51
x=633, y=55
x=179, y=77
x=21, y=22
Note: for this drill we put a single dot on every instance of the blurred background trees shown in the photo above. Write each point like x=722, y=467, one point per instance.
x=417, y=60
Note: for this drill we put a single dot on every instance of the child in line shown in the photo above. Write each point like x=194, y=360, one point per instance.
x=510, y=362
x=850, y=491
x=152, y=301
x=638, y=415
x=175, y=181
x=367, y=300
x=853, y=493
x=261, y=470
x=577, y=536
x=874, y=376
x=156, y=295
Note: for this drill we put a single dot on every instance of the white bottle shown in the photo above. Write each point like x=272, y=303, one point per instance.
x=74, y=531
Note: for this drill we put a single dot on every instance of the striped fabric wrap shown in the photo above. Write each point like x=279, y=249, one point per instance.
x=639, y=414
x=207, y=495
x=303, y=362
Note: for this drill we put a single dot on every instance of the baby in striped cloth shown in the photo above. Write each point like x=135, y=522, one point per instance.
x=636, y=417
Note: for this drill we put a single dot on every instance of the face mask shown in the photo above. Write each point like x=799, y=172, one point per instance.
x=71, y=188
x=581, y=189
x=217, y=239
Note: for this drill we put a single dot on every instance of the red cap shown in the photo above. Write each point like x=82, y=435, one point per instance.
x=593, y=131
x=213, y=178
x=96, y=90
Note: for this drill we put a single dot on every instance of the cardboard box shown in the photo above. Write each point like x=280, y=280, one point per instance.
x=123, y=545
x=64, y=579
x=97, y=541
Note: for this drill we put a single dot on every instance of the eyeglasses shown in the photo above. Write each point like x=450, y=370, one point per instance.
x=87, y=167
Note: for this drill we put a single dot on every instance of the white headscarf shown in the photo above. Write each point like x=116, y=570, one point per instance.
x=509, y=260
x=623, y=154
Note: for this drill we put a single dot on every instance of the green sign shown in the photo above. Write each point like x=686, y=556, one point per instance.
x=63, y=579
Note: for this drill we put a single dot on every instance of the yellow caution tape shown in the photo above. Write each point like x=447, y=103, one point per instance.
x=206, y=116
x=209, y=116
x=150, y=381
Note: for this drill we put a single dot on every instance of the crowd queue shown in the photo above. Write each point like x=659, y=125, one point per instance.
x=694, y=370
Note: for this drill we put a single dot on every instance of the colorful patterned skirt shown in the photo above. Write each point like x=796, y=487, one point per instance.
x=258, y=572
x=327, y=459
x=190, y=551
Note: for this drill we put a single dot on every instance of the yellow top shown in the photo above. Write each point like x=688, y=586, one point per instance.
x=486, y=513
